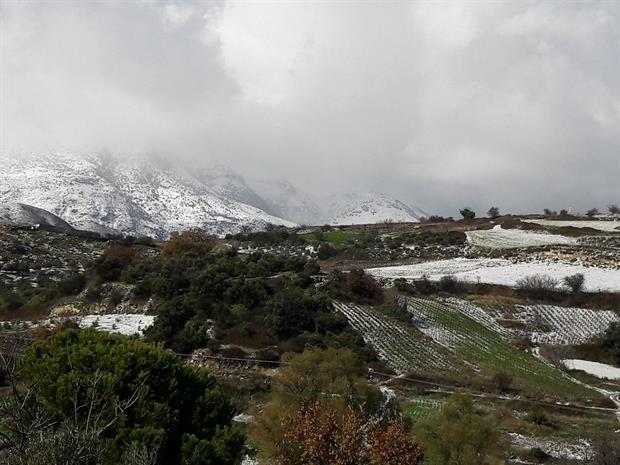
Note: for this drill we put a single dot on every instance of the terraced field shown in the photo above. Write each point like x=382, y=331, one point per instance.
x=401, y=346
x=480, y=345
x=419, y=408
x=565, y=325
x=498, y=238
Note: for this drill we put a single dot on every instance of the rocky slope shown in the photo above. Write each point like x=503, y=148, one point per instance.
x=368, y=207
x=150, y=196
x=19, y=214
x=140, y=196
x=286, y=201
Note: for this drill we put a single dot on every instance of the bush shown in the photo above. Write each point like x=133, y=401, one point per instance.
x=614, y=209
x=357, y=286
x=114, y=260
x=459, y=434
x=611, y=342
x=179, y=410
x=575, y=282
x=450, y=283
x=194, y=241
x=502, y=382
x=537, y=286
x=468, y=213
x=326, y=251
x=538, y=417
x=592, y=212
x=538, y=454
x=493, y=212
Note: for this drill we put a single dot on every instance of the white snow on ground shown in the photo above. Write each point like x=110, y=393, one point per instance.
x=499, y=271
x=126, y=324
x=123, y=323
x=563, y=325
x=608, y=226
x=600, y=370
x=581, y=450
x=499, y=238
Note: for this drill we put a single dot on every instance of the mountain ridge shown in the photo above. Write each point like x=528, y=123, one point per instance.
x=147, y=195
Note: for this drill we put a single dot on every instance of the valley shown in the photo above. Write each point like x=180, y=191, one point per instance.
x=482, y=307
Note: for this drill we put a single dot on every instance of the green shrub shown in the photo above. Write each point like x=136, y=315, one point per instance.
x=180, y=411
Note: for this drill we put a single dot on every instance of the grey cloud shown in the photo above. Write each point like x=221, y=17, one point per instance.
x=439, y=104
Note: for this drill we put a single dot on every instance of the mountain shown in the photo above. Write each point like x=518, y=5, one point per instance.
x=368, y=207
x=19, y=214
x=231, y=185
x=132, y=195
x=286, y=201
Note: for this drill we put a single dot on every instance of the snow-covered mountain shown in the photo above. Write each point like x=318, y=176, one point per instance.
x=111, y=193
x=368, y=207
x=286, y=201
x=133, y=195
x=19, y=214
x=231, y=185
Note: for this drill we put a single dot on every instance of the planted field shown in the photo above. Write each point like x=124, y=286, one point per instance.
x=337, y=237
x=419, y=408
x=402, y=347
x=477, y=344
x=562, y=325
x=498, y=238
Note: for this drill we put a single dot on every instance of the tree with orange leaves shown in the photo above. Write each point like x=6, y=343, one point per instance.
x=317, y=434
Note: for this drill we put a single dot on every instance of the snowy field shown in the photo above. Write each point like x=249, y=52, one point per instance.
x=126, y=324
x=579, y=450
x=499, y=271
x=499, y=238
x=600, y=370
x=607, y=226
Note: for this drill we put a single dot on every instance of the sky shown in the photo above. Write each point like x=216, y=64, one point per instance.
x=440, y=104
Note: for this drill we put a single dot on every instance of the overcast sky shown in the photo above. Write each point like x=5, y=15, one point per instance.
x=439, y=104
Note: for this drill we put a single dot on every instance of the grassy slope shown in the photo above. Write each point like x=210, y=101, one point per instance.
x=481, y=346
x=337, y=237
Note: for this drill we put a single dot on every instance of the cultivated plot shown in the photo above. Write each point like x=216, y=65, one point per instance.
x=480, y=345
x=499, y=238
x=403, y=348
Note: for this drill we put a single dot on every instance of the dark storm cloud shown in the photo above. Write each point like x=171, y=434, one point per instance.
x=440, y=104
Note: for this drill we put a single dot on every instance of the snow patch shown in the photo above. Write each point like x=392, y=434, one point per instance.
x=501, y=272
x=600, y=370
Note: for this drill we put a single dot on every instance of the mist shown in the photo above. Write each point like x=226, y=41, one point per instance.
x=515, y=104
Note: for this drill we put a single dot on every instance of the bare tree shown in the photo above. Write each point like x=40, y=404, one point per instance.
x=592, y=212
x=575, y=282
x=493, y=212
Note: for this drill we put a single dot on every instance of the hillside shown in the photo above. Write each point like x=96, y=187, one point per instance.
x=367, y=208
x=21, y=215
x=132, y=195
